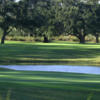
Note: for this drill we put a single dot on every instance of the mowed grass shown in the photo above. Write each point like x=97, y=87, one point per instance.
x=25, y=85
x=49, y=53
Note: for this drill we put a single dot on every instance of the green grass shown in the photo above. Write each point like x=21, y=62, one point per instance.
x=25, y=85
x=49, y=53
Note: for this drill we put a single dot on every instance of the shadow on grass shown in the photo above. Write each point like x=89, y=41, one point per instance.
x=22, y=90
x=46, y=53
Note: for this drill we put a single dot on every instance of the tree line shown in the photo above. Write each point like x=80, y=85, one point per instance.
x=51, y=18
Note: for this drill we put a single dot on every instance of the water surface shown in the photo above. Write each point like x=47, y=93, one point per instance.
x=55, y=68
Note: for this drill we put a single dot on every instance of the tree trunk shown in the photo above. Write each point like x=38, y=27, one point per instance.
x=82, y=36
x=31, y=34
x=97, y=38
x=3, y=37
x=82, y=39
x=45, y=39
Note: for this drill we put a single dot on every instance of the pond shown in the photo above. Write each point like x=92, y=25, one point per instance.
x=55, y=68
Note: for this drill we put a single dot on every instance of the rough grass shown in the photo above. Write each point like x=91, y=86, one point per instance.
x=49, y=53
x=25, y=85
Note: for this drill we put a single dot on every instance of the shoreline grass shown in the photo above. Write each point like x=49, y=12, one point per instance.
x=30, y=85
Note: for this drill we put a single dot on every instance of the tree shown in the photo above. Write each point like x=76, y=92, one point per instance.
x=75, y=16
x=7, y=17
x=43, y=19
x=47, y=13
x=28, y=18
x=94, y=25
x=38, y=18
x=51, y=25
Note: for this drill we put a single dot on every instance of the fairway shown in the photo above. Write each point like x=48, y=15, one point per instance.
x=25, y=85
x=63, y=53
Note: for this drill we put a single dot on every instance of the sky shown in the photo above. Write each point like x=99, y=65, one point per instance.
x=17, y=0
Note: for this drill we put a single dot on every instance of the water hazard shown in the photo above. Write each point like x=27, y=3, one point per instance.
x=55, y=68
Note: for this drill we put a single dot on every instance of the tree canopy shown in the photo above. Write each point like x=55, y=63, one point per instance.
x=51, y=18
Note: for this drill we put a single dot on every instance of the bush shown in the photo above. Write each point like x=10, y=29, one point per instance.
x=19, y=38
x=89, y=38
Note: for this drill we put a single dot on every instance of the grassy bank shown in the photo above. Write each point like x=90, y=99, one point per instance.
x=50, y=53
x=18, y=85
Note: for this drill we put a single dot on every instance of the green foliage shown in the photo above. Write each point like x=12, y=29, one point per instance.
x=7, y=17
x=49, y=18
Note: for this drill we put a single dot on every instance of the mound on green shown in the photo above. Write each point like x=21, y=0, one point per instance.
x=49, y=53
x=24, y=85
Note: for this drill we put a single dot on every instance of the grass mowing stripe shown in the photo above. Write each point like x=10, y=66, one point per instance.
x=45, y=86
x=49, y=53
